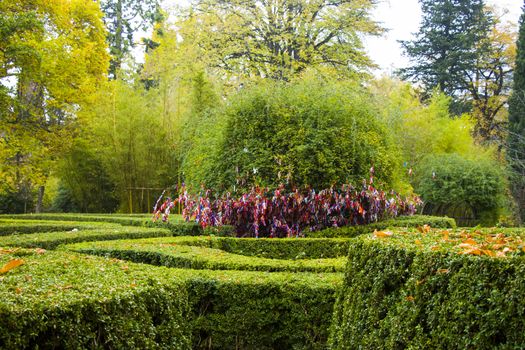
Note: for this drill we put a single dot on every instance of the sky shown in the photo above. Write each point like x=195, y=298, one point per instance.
x=401, y=18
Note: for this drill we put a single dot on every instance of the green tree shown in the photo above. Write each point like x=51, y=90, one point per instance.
x=53, y=58
x=446, y=46
x=308, y=132
x=123, y=18
x=277, y=39
x=489, y=84
x=125, y=129
x=516, y=130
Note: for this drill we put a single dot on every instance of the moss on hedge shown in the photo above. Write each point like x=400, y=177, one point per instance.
x=169, y=252
x=402, y=221
x=435, y=289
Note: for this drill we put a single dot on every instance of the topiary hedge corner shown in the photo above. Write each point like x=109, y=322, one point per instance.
x=432, y=290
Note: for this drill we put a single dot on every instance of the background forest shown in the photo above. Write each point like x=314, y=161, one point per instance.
x=233, y=94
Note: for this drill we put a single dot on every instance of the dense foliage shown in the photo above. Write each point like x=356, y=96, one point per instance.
x=432, y=289
x=309, y=133
x=516, y=132
x=64, y=299
x=468, y=189
x=281, y=214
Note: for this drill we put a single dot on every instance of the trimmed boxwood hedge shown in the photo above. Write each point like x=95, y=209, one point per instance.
x=66, y=300
x=12, y=226
x=274, y=248
x=402, y=221
x=50, y=240
x=427, y=291
x=169, y=252
x=123, y=219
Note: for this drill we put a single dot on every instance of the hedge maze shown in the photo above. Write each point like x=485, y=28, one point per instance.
x=119, y=282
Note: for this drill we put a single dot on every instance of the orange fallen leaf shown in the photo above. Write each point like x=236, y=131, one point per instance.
x=410, y=298
x=440, y=271
x=417, y=241
x=18, y=290
x=11, y=265
x=488, y=252
x=445, y=235
x=473, y=251
x=470, y=241
x=40, y=251
x=435, y=247
x=381, y=234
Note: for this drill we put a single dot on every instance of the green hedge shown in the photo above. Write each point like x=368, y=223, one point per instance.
x=65, y=300
x=430, y=291
x=50, y=240
x=11, y=226
x=254, y=310
x=274, y=248
x=168, y=252
x=179, y=228
x=402, y=221
x=123, y=219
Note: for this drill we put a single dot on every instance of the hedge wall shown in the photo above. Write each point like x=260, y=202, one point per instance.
x=65, y=300
x=274, y=248
x=50, y=240
x=402, y=221
x=168, y=252
x=10, y=226
x=437, y=289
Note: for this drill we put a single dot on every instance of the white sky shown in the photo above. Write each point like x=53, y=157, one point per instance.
x=401, y=18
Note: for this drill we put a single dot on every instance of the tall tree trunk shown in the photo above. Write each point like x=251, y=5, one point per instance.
x=40, y=199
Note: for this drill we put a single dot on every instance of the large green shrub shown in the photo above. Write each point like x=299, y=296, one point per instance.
x=308, y=132
x=431, y=291
x=452, y=185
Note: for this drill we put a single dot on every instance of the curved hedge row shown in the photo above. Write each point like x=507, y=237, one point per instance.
x=170, y=252
x=434, y=289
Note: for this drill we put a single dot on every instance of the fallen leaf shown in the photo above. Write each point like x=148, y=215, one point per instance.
x=417, y=241
x=382, y=234
x=488, y=252
x=18, y=290
x=410, y=298
x=470, y=241
x=473, y=251
x=445, y=235
x=440, y=271
x=40, y=251
x=11, y=265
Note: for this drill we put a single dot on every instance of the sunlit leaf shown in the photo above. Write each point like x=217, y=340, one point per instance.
x=11, y=265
